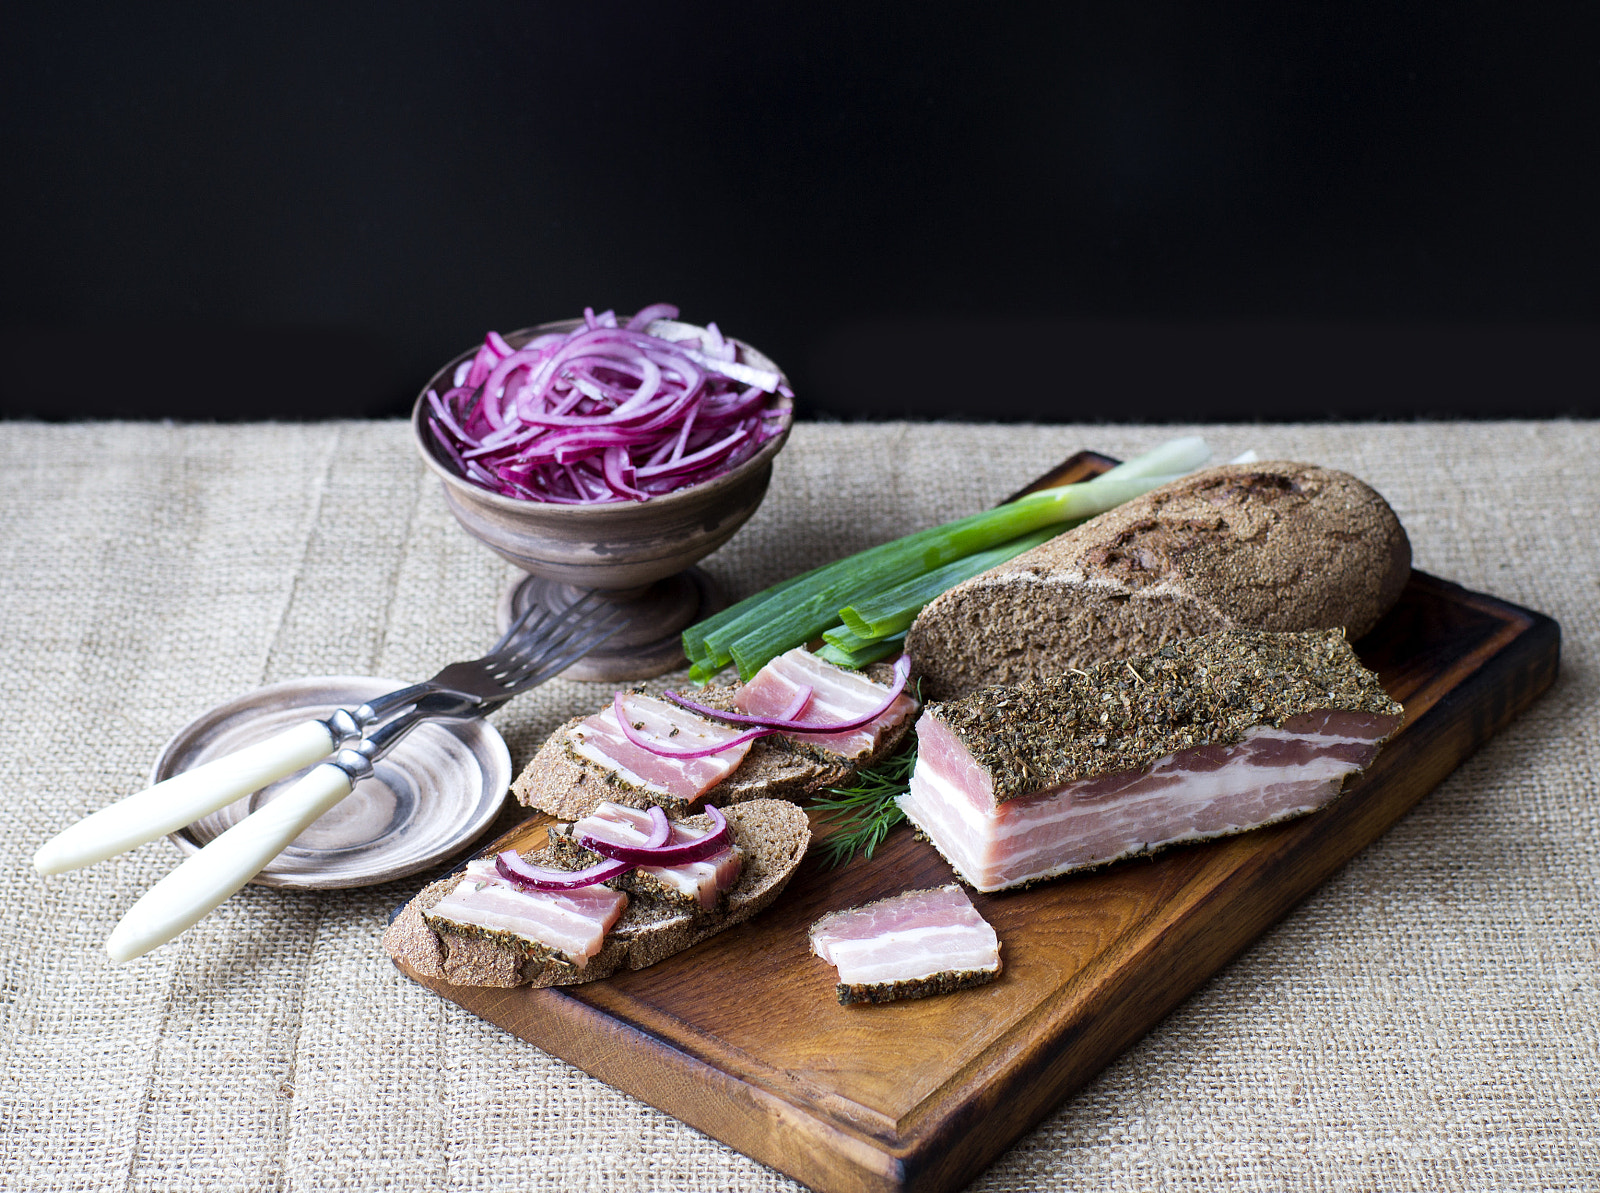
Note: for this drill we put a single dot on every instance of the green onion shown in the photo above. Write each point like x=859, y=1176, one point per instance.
x=859, y=651
x=845, y=638
x=694, y=638
x=763, y=626
x=1169, y=461
x=893, y=610
x=810, y=607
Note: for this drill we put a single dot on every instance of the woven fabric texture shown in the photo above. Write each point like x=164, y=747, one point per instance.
x=1428, y=1019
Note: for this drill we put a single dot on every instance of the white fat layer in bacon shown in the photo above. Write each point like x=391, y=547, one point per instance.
x=837, y=694
x=908, y=938
x=600, y=739
x=703, y=880
x=1206, y=791
x=573, y=923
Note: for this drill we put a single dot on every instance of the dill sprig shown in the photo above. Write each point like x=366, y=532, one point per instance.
x=861, y=815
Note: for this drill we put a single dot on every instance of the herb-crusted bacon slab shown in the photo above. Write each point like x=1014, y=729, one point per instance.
x=1271, y=546
x=1205, y=737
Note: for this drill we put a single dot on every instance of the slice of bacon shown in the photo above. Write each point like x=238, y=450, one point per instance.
x=600, y=739
x=1204, y=791
x=573, y=923
x=838, y=694
x=919, y=936
x=703, y=881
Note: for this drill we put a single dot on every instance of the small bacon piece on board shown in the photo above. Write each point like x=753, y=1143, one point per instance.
x=908, y=946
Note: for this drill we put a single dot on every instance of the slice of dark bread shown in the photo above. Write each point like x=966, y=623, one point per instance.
x=564, y=784
x=1270, y=546
x=773, y=835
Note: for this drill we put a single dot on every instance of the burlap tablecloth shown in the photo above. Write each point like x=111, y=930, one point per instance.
x=1430, y=1019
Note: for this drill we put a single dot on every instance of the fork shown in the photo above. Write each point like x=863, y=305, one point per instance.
x=528, y=653
x=208, y=878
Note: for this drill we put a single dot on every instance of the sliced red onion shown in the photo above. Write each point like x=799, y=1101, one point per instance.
x=636, y=414
x=619, y=471
x=686, y=463
x=785, y=722
x=667, y=855
x=644, y=743
x=795, y=708
x=510, y=866
x=648, y=315
x=801, y=702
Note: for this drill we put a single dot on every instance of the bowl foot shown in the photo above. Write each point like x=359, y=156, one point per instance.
x=650, y=645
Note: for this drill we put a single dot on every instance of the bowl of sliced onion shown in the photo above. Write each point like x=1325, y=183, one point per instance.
x=607, y=454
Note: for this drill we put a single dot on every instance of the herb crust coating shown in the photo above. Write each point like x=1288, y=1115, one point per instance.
x=1124, y=715
x=939, y=983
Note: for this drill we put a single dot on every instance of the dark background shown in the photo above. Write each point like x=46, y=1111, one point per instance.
x=1119, y=211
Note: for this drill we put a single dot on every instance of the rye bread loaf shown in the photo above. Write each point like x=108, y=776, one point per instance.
x=565, y=784
x=773, y=835
x=1273, y=546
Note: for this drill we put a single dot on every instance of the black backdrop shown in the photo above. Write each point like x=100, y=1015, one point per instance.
x=1058, y=211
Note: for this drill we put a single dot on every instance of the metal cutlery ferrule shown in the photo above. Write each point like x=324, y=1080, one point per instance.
x=353, y=762
x=347, y=725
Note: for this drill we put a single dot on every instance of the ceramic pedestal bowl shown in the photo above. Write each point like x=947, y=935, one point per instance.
x=639, y=554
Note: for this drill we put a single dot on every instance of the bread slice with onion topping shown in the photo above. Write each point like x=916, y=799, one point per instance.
x=772, y=835
x=565, y=783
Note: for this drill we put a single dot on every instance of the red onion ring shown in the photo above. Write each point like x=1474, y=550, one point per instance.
x=667, y=855
x=796, y=707
x=510, y=866
x=644, y=743
x=516, y=871
x=784, y=722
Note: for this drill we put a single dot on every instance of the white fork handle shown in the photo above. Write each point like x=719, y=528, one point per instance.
x=194, y=889
x=183, y=799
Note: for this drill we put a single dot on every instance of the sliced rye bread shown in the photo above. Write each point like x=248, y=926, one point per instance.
x=1274, y=546
x=563, y=783
x=773, y=835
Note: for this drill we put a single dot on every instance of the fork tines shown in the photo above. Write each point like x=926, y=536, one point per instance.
x=545, y=645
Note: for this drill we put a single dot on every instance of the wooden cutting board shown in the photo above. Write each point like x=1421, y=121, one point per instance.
x=742, y=1038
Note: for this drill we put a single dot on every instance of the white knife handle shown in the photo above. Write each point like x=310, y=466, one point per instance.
x=183, y=799
x=184, y=897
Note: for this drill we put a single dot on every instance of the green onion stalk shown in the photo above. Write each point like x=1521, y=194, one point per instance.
x=875, y=594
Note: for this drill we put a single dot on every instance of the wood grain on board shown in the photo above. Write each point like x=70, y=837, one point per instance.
x=742, y=1038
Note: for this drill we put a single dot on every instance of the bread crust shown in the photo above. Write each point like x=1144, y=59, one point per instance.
x=1277, y=545
x=773, y=834
x=939, y=983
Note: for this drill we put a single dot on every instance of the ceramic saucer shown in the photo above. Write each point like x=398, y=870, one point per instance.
x=439, y=789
